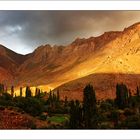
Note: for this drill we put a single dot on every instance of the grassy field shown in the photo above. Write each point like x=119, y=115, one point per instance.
x=58, y=118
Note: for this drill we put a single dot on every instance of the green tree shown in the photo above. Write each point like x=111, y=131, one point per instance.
x=20, y=91
x=138, y=92
x=114, y=116
x=66, y=101
x=75, y=114
x=58, y=96
x=1, y=88
x=72, y=115
x=122, y=95
x=28, y=92
x=12, y=91
x=37, y=93
x=79, y=112
x=89, y=107
x=50, y=96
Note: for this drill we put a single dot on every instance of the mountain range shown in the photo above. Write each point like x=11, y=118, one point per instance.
x=104, y=61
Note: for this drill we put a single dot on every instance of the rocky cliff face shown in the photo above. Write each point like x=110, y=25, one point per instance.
x=104, y=58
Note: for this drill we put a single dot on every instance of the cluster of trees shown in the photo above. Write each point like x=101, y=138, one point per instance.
x=33, y=105
x=91, y=114
x=53, y=102
x=28, y=92
x=122, y=112
x=124, y=96
x=55, y=105
x=84, y=115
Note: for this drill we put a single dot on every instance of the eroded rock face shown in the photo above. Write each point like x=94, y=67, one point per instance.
x=112, y=53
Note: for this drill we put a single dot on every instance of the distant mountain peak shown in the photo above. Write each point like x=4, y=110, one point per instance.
x=43, y=47
x=135, y=26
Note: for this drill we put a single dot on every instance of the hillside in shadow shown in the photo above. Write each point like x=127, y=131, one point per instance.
x=103, y=83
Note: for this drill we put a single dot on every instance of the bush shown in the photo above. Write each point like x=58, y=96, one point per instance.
x=43, y=117
x=105, y=125
x=5, y=103
x=105, y=106
x=6, y=96
x=128, y=112
x=30, y=105
x=132, y=122
x=114, y=115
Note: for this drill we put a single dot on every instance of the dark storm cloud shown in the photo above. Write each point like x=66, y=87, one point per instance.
x=23, y=31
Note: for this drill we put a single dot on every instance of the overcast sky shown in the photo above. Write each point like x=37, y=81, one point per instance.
x=23, y=31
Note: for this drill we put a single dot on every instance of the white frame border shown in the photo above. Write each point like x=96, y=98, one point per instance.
x=70, y=5
x=70, y=134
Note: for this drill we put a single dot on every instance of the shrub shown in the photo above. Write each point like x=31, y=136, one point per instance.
x=43, y=117
x=132, y=122
x=106, y=106
x=30, y=105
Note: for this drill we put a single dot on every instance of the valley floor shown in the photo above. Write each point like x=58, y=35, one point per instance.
x=37, y=112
